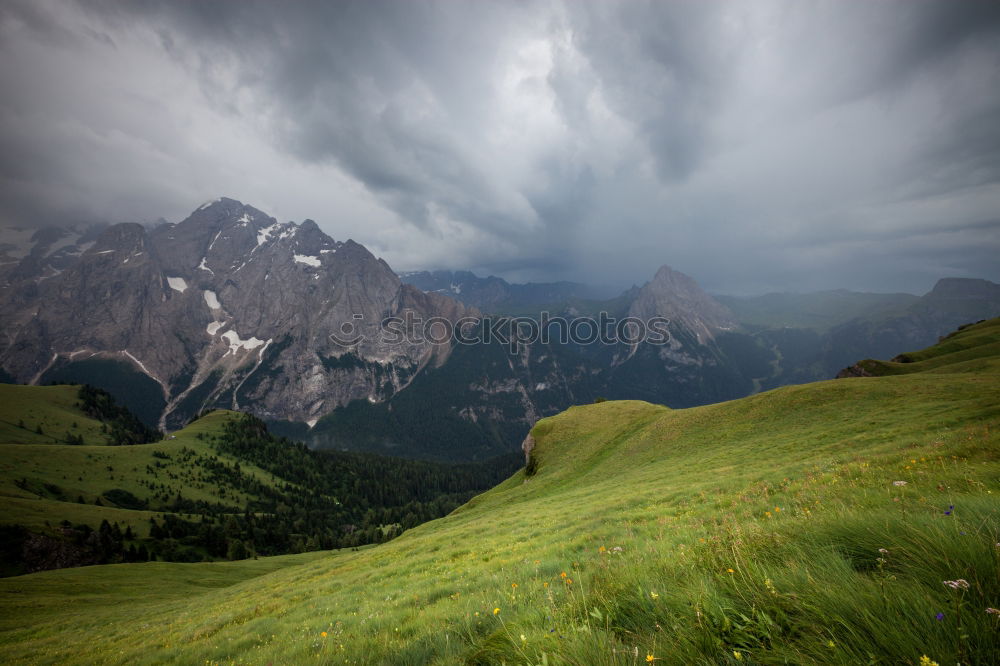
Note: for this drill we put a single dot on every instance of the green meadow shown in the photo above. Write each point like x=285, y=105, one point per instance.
x=44, y=415
x=44, y=483
x=852, y=521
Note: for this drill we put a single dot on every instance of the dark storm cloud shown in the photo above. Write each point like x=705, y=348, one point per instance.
x=756, y=146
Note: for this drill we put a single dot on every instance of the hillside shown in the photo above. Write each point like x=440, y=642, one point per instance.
x=750, y=531
x=221, y=488
x=45, y=415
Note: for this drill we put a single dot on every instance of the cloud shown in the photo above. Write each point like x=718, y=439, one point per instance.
x=767, y=145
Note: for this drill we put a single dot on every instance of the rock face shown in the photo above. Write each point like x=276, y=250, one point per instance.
x=229, y=307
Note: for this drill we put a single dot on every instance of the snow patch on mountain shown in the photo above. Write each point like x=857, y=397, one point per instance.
x=263, y=235
x=212, y=300
x=176, y=283
x=307, y=260
x=235, y=343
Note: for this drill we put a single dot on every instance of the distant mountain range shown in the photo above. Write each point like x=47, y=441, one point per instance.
x=496, y=295
x=231, y=308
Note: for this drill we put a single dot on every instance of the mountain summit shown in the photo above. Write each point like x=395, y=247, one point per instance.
x=678, y=297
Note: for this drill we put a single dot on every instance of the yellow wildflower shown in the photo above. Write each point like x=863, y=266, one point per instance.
x=654, y=595
x=513, y=586
x=323, y=634
x=730, y=571
x=650, y=658
x=926, y=661
x=496, y=611
x=738, y=655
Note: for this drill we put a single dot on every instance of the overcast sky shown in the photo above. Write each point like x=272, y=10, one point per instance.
x=757, y=146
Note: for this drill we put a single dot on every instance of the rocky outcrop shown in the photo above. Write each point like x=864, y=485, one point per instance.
x=856, y=370
x=528, y=445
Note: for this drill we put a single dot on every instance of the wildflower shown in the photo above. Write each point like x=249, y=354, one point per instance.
x=939, y=617
x=993, y=611
x=926, y=661
x=883, y=551
x=618, y=549
x=523, y=639
x=323, y=634
x=767, y=513
x=513, y=586
x=650, y=658
x=496, y=611
x=601, y=549
x=899, y=483
x=545, y=584
x=569, y=581
x=777, y=509
x=831, y=645
x=562, y=575
x=654, y=595
x=730, y=571
x=738, y=655
x=960, y=584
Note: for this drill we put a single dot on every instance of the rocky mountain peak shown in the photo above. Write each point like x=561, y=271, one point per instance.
x=227, y=307
x=678, y=297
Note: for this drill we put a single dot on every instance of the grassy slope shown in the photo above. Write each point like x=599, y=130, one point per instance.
x=82, y=471
x=749, y=532
x=968, y=345
x=52, y=407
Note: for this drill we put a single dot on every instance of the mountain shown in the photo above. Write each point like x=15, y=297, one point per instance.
x=818, y=311
x=495, y=295
x=231, y=309
x=483, y=399
x=39, y=254
x=807, y=337
x=227, y=308
x=840, y=522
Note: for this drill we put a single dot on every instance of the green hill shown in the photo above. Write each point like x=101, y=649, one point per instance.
x=844, y=522
x=222, y=487
x=45, y=415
